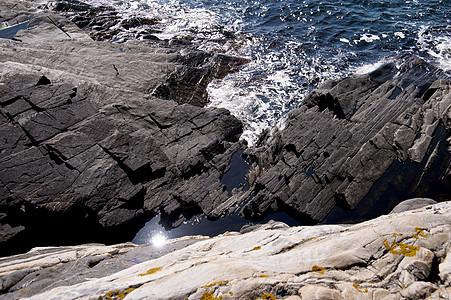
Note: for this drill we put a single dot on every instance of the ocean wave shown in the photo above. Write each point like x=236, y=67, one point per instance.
x=436, y=42
x=293, y=47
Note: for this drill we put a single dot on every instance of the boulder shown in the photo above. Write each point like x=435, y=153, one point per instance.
x=412, y=204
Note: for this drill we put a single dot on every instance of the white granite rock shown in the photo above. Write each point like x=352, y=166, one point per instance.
x=391, y=257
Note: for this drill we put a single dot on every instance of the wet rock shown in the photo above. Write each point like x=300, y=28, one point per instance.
x=391, y=257
x=349, y=134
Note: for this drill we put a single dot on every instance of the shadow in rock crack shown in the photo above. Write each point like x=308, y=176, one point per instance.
x=401, y=182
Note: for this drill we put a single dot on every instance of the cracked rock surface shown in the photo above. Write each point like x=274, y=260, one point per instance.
x=399, y=256
x=88, y=152
x=348, y=135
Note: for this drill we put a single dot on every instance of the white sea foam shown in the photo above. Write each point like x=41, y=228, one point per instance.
x=343, y=40
x=437, y=43
x=369, y=38
x=399, y=35
x=368, y=68
x=278, y=77
x=176, y=20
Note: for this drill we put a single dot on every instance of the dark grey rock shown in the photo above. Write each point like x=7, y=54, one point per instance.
x=346, y=136
x=87, y=154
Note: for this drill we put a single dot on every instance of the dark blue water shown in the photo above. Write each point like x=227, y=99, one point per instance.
x=296, y=45
x=8, y=32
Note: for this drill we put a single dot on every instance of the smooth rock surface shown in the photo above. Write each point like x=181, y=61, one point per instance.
x=397, y=256
x=412, y=204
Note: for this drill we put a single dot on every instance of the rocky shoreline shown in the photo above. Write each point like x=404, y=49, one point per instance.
x=99, y=137
x=88, y=147
x=404, y=255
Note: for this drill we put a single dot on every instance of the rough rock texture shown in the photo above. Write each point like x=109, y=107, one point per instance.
x=87, y=154
x=348, y=134
x=184, y=83
x=399, y=256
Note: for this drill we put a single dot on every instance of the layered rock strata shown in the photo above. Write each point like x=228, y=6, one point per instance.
x=399, y=256
x=87, y=152
x=347, y=134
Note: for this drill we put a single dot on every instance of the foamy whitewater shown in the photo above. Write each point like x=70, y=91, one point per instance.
x=296, y=45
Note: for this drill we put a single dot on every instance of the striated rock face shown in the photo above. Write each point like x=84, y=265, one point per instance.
x=87, y=153
x=398, y=256
x=394, y=122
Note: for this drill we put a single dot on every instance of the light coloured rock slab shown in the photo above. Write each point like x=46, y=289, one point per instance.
x=391, y=257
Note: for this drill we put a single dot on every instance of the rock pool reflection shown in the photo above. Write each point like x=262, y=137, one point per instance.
x=200, y=225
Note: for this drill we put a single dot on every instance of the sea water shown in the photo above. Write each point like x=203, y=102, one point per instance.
x=293, y=46
x=296, y=45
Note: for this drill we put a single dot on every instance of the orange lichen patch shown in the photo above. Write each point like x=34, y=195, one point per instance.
x=23, y=290
x=118, y=294
x=407, y=250
x=420, y=232
x=318, y=269
x=268, y=296
x=211, y=289
x=257, y=248
x=264, y=276
x=308, y=239
x=151, y=271
x=356, y=286
x=218, y=283
x=210, y=296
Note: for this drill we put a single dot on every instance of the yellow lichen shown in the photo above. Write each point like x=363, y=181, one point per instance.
x=356, y=285
x=318, y=269
x=420, y=232
x=219, y=283
x=23, y=290
x=118, y=294
x=210, y=296
x=405, y=249
x=312, y=238
x=268, y=296
x=151, y=271
x=212, y=288
x=257, y=248
x=264, y=275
